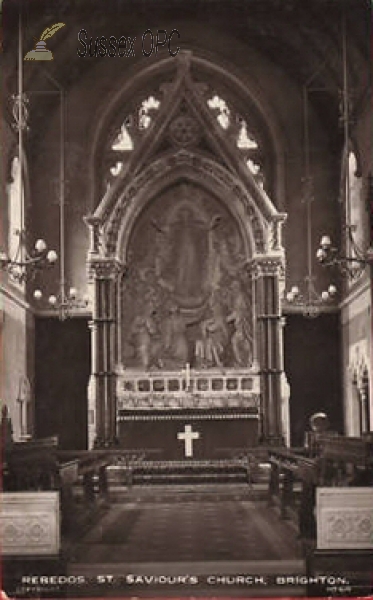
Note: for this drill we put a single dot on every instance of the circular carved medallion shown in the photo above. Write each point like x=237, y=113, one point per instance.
x=184, y=131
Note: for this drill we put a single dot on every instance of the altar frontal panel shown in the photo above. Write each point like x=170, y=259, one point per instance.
x=188, y=435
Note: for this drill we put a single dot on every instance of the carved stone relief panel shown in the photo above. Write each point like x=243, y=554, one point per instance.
x=186, y=298
x=30, y=523
x=344, y=518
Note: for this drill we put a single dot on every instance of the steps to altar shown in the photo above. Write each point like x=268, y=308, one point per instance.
x=246, y=469
x=180, y=472
x=194, y=493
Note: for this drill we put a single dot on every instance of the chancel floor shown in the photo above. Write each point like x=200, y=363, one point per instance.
x=217, y=536
x=202, y=523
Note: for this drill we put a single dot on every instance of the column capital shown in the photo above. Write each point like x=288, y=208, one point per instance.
x=264, y=265
x=104, y=268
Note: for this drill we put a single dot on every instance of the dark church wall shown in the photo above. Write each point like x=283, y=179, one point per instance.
x=62, y=368
x=313, y=368
x=62, y=351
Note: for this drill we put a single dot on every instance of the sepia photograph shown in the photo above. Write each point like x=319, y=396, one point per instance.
x=186, y=255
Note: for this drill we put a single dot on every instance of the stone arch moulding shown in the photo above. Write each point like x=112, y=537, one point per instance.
x=228, y=75
x=258, y=220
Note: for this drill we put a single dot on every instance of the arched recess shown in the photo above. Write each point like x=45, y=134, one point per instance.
x=240, y=294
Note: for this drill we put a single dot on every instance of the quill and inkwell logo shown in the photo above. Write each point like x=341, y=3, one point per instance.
x=41, y=52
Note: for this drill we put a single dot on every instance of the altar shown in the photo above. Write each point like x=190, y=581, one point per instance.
x=189, y=414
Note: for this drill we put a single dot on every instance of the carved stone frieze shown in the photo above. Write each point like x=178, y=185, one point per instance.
x=30, y=523
x=344, y=518
x=215, y=382
x=349, y=526
x=160, y=403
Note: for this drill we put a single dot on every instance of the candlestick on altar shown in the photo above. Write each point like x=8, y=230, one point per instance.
x=187, y=376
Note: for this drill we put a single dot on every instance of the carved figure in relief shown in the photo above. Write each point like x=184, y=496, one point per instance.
x=159, y=254
x=241, y=340
x=145, y=338
x=187, y=259
x=184, y=255
x=210, y=349
x=183, y=247
x=175, y=344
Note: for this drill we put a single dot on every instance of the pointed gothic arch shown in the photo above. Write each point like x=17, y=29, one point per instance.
x=255, y=224
x=125, y=334
x=189, y=72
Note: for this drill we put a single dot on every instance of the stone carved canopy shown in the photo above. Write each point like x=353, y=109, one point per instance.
x=184, y=134
x=186, y=261
x=185, y=223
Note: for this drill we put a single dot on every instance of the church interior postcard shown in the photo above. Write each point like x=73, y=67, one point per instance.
x=186, y=284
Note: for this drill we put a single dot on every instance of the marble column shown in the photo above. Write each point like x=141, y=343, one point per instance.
x=103, y=274
x=267, y=274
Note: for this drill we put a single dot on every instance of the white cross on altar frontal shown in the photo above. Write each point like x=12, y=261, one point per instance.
x=188, y=436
